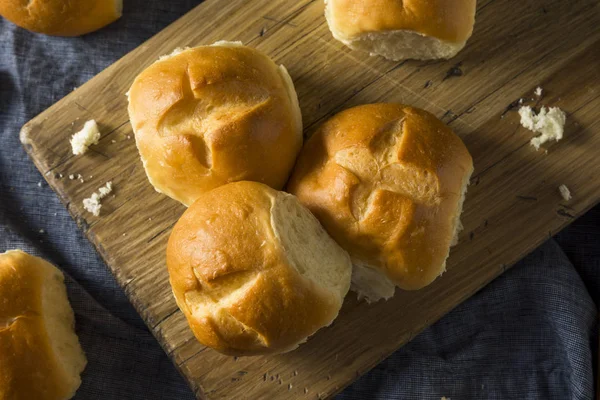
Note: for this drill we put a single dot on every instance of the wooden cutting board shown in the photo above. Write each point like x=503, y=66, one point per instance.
x=512, y=206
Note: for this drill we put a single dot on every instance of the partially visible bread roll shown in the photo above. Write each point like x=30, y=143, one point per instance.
x=210, y=115
x=397, y=30
x=387, y=181
x=61, y=17
x=40, y=355
x=253, y=270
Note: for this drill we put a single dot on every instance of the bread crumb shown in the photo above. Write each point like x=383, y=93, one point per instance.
x=565, y=192
x=87, y=136
x=549, y=123
x=113, y=141
x=42, y=231
x=92, y=204
x=538, y=91
x=39, y=184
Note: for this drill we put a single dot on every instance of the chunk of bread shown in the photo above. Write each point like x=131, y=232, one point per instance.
x=40, y=355
x=549, y=123
x=87, y=136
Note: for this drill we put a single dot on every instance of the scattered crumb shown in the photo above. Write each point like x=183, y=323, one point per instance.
x=86, y=137
x=39, y=184
x=290, y=386
x=92, y=204
x=71, y=177
x=42, y=231
x=520, y=101
x=128, y=137
x=549, y=123
x=60, y=175
x=55, y=214
x=445, y=398
x=113, y=141
x=565, y=192
x=538, y=91
x=305, y=390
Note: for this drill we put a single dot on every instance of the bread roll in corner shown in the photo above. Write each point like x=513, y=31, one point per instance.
x=397, y=30
x=210, y=115
x=40, y=355
x=253, y=271
x=60, y=17
x=387, y=181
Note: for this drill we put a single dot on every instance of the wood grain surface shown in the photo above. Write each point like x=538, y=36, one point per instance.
x=512, y=206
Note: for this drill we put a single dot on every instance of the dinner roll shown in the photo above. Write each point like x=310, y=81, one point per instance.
x=60, y=17
x=210, y=115
x=40, y=355
x=397, y=30
x=388, y=182
x=253, y=270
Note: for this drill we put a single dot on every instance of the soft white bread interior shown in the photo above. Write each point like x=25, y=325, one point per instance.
x=60, y=17
x=397, y=30
x=40, y=355
x=387, y=181
x=210, y=115
x=253, y=270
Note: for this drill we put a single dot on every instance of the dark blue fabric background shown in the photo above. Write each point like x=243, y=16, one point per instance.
x=531, y=334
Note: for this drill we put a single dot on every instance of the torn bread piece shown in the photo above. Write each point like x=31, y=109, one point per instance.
x=549, y=123
x=565, y=192
x=87, y=136
x=92, y=204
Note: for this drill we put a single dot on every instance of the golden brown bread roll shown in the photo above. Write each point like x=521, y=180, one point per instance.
x=60, y=17
x=419, y=29
x=253, y=270
x=210, y=115
x=387, y=181
x=40, y=355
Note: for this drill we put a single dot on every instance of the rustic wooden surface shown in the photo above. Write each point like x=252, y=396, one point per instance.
x=512, y=206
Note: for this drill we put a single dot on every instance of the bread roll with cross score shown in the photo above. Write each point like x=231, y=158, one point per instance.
x=387, y=181
x=253, y=271
x=397, y=30
x=210, y=115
